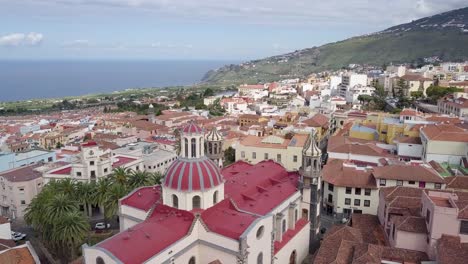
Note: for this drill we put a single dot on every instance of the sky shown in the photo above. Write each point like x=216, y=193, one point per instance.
x=193, y=29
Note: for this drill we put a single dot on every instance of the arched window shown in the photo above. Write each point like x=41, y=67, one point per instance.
x=260, y=258
x=292, y=257
x=215, y=197
x=194, y=147
x=305, y=214
x=284, y=226
x=192, y=260
x=175, y=201
x=200, y=150
x=99, y=260
x=196, y=202
x=186, y=147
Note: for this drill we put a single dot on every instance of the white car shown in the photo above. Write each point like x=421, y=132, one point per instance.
x=16, y=236
x=101, y=226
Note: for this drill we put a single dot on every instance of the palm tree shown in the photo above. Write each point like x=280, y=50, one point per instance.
x=84, y=194
x=59, y=205
x=156, y=178
x=70, y=232
x=100, y=195
x=35, y=212
x=111, y=204
x=120, y=175
x=139, y=179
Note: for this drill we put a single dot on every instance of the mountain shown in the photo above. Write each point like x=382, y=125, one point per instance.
x=443, y=36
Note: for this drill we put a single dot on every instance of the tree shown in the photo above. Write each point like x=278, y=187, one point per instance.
x=156, y=178
x=111, y=204
x=70, y=232
x=417, y=94
x=120, y=175
x=402, y=88
x=138, y=179
x=208, y=92
x=229, y=156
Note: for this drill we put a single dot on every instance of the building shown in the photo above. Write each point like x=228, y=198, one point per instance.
x=349, y=81
x=411, y=175
x=242, y=214
x=367, y=152
x=453, y=106
x=348, y=189
x=247, y=89
x=18, y=187
x=14, y=160
x=352, y=95
x=443, y=143
x=155, y=157
x=362, y=240
x=321, y=125
x=92, y=164
x=415, y=83
x=248, y=119
x=214, y=147
x=288, y=152
x=409, y=148
x=52, y=140
x=417, y=219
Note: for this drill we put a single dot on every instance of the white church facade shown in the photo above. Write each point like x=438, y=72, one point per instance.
x=242, y=213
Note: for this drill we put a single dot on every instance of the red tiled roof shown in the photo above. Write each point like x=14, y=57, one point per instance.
x=336, y=173
x=137, y=244
x=445, y=132
x=143, y=198
x=121, y=161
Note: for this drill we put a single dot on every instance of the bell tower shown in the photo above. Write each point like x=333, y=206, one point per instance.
x=310, y=186
x=151, y=117
x=214, y=147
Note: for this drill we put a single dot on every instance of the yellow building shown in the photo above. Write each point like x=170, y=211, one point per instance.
x=386, y=127
x=288, y=152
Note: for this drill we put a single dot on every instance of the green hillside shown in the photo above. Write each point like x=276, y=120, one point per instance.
x=444, y=35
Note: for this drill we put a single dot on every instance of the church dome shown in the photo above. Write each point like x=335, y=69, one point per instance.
x=193, y=175
x=192, y=128
x=310, y=147
x=214, y=135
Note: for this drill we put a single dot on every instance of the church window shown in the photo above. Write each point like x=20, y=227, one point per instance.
x=260, y=258
x=260, y=232
x=196, y=202
x=192, y=260
x=194, y=147
x=99, y=260
x=284, y=226
x=215, y=197
x=175, y=201
x=186, y=147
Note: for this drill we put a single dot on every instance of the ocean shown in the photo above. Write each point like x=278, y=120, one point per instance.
x=23, y=80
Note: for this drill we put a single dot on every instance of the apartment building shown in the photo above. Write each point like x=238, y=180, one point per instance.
x=17, y=188
x=450, y=105
x=287, y=152
x=415, y=83
x=444, y=142
x=417, y=219
x=417, y=175
x=348, y=188
x=349, y=81
x=10, y=161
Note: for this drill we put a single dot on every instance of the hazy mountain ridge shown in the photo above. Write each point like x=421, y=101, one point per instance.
x=444, y=36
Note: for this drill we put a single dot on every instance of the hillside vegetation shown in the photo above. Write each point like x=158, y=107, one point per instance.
x=444, y=36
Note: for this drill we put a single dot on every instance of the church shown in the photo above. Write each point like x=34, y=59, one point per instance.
x=202, y=213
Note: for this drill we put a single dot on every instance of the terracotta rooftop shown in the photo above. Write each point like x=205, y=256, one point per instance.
x=17, y=255
x=445, y=132
x=318, y=120
x=339, y=174
x=21, y=174
x=407, y=173
x=413, y=224
x=451, y=251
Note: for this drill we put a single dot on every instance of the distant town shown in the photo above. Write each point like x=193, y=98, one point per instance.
x=360, y=165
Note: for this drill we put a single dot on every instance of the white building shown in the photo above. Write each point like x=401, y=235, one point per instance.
x=353, y=93
x=156, y=158
x=92, y=164
x=349, y=189
x=243, y=214
x=349, y=81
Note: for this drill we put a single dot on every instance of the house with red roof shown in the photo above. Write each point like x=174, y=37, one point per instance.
x=242, y=213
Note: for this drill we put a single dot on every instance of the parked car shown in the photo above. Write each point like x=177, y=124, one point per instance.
x=17, y=236
x=101, y=226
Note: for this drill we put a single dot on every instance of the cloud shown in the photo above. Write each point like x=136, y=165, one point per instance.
x=280, y=12
x=21, y=39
